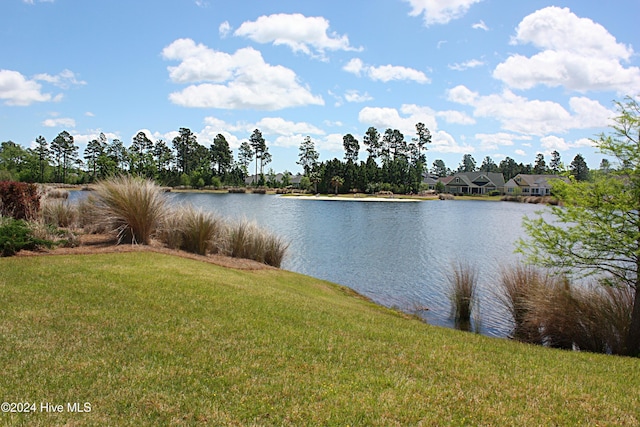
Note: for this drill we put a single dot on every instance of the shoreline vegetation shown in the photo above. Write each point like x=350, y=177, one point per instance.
x=152, y=339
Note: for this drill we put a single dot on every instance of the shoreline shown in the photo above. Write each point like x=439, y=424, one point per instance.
x=353, y=199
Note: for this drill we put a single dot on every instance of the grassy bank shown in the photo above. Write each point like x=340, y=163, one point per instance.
x=150, y=339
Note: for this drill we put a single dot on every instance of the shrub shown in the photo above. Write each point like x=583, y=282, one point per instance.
x=246, y=240
x=201, y=231
x=19, y=200
x=15, y=235
x=59, y=213
x=462, y=294
x=133, y=207
x=170, y=231
x=557, y=313
x=518, y=284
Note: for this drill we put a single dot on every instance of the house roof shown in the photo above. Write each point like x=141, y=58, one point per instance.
x=477, y=179
x=525, y=180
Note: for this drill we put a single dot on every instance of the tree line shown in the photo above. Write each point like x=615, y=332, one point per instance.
x=392, y=163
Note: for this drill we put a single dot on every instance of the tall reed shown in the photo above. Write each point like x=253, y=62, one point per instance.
x=133, y=207
x=518, y=284
x=462, y=294
x=555, y=312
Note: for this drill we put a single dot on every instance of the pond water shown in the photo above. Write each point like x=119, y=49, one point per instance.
x=397, y=254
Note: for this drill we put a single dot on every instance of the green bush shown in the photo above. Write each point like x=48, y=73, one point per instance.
x=15, y=235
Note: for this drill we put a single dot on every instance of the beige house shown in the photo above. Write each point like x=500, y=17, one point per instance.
x=473, y=183
x=531, y=185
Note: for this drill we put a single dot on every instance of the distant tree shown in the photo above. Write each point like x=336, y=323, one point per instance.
x=308, y=156
x=221, y=155
x=372, y=141
x=258, y=145
x=245, y=154
x=66, y=153
x=336, y=182
x=351, y=148
x=42, y=151
x=555, y=166
x=579, y=168
x=163, y=157
x=488, y=165
x=468, y=164
x=92, y=153
x=393, y=145
x=185, y=146
x=118, y=155
x=422, y=139
x=509, y=168
x=12, y=156
x=540, y=167
x=605, y=166
x=440, y=169
x=141, y=155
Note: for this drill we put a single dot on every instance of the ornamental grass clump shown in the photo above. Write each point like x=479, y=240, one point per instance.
x=200, y=232
x=554, y=312
x=585, y=317
x=59, y=213
x=462, y=294
x=247, y=240
x=132, y=207
x=518, y=284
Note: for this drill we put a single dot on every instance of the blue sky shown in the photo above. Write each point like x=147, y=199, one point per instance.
x=488, y=77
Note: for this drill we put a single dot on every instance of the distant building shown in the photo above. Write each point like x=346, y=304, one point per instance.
x=473, y=183
x=531, y=185
x=294, y=180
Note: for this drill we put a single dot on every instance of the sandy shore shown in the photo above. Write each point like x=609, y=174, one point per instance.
x=353, y=199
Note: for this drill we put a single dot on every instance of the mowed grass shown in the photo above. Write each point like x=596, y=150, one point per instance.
x=151, y=339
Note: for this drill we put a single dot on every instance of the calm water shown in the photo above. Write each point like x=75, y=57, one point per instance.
x=398, y=254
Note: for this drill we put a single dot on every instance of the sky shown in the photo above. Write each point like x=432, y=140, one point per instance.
x=491, y=78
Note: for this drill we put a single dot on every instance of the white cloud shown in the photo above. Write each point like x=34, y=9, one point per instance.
x=61, y=122
x=355, y=66
x=553, y=142
x=457, y=117
x=16, y=90
x=301, y=33
x=64, y=80
x=386, y=73
x=241, y=80
x=533, y=117
x=480, y=26
x=494, y=140
x=575, y=53
x=521, y=153
x=472, y=63
x=224, y=29
x=440, y=11
x=355, y=96
x=280, y=126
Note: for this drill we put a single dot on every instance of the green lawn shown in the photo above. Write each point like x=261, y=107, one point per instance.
x=150, y=339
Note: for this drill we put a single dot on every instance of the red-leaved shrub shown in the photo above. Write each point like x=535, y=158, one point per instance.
x=19, y=200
